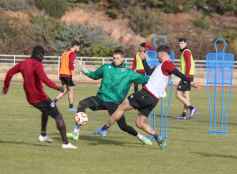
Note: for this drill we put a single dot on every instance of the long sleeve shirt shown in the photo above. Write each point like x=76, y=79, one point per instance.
x=33, y=76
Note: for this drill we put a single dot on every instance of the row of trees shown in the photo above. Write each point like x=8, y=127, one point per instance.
x=144, y=19
x=56, y=8
x=17, y=38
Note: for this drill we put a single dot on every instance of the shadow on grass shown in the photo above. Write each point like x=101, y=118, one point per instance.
x=196, y=119
x=178, y=128
x=189, y=141
x=95, y=140
x=213, y=155
x=207, y=122
x=22, y=143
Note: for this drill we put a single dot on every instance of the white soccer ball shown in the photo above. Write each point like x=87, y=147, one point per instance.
x=81, y=118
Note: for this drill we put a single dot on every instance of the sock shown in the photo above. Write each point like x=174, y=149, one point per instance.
x=156, y=136
x=70, y=105
x=190, y=107
x=140, y=136
x=62, y=129
x=105, y=127
x=76, y=129
x=184, y=114
x=55, y=100
x=43, y=134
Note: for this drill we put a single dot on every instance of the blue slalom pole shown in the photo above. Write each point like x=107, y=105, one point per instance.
x=219, y=74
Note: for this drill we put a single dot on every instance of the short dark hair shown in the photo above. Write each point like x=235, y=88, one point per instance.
x=75, y=43
x=163, y=48
x=182, y=40
x=118, y=51
x=38, y=52
x=143, y=44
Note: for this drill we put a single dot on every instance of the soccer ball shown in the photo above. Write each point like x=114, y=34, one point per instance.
x=81, y=118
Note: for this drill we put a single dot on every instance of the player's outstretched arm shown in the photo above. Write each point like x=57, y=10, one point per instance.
x=14, y=70
x=147, y=68
x=139, y=78
x=95, y=75
x=177, y=73
x=185, y=78
x=196, y=85
x=44, y=78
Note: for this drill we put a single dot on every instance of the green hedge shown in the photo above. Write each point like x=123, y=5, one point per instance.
x=54, y=8
x=173, y=6
x=94, y=41
x=16, y=4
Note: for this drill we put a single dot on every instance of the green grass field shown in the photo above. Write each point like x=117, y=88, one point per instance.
x=190, y=149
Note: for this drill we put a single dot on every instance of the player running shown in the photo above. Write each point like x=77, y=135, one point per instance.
x=33, y=75
x=115, y=85
x=66, y=73
x=146, y=99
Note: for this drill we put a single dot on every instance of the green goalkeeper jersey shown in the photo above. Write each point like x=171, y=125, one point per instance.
x=116, y=82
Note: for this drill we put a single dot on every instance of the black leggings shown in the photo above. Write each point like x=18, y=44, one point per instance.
x=47, y=108
x=95, y=103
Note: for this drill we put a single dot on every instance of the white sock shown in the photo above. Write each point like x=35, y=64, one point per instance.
x=76, y=129
x=140, y=136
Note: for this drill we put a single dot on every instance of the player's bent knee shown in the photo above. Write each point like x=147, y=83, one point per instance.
x=138, y=123
x=125, y=106
x=70, y=89
x=141, y=121
x=179, y=96
x=121, y=108
x=64, y=92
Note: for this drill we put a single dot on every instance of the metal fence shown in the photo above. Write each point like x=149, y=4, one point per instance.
x=55, y=60
x=96, y=61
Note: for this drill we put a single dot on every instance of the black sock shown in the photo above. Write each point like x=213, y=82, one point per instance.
x=184, y=114
x=70, y=105
x=125, y=127
x=156, y=136
x=43, y=134
x=44, y=122
x=190, y=107
x=130, y=130
x=105, y=127
x=62, y=129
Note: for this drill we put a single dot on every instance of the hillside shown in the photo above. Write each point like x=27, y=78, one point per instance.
x=104, y=25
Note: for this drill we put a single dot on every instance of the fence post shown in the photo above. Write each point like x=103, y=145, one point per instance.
x=14, y=59
x=80, y=63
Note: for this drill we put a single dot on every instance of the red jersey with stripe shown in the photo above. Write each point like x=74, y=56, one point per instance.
x=33, y=76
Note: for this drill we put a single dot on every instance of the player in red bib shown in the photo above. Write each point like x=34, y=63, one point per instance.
x=183, y=90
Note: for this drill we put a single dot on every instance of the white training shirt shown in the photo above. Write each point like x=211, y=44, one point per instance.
x=158, y=81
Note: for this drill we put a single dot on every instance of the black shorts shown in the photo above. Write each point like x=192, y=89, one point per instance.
x=67, y=81
x=95, y=104
x=143, y=102
x=184, y=85
x=47, y=107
